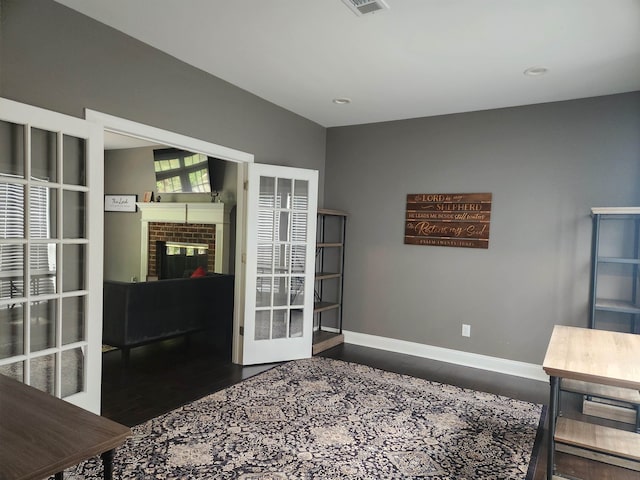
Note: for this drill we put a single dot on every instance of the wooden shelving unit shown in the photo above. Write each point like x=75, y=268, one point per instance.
x=329, y=280
x=592, y=362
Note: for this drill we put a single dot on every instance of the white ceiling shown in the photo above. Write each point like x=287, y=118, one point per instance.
x=419, y=58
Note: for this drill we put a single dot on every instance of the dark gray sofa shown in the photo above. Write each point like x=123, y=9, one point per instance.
x=138, y=313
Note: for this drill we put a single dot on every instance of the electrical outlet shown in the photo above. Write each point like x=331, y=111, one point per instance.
x=466, y=330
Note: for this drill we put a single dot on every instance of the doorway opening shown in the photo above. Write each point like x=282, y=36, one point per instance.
x=162, y=138
x=276, y=210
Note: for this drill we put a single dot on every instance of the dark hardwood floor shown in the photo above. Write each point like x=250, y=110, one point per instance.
x=166, y=375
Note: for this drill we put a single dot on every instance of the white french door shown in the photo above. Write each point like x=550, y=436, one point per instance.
x=51, y=193
x=280, y=250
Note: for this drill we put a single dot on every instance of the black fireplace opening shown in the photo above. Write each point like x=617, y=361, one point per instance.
x=180, y=259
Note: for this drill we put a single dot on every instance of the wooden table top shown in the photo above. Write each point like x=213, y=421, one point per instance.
x=596, y=356
x=41, y=435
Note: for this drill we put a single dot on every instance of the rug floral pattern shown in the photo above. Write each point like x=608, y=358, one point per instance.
x=326, y=419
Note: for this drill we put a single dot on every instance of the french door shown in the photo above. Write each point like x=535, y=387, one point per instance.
x=51, y=252
x=280, y=231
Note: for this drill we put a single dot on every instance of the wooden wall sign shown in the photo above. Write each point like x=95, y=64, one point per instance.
x=448, y=219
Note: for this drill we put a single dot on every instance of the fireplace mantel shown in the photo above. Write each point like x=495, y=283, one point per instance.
x=217, y=214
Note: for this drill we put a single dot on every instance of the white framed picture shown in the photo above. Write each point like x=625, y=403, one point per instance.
x=120, y=203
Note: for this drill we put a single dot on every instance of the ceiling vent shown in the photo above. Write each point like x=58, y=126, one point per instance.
x=363, y=7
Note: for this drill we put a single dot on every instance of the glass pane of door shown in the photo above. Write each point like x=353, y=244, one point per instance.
x=44, y=153
x=11, y=150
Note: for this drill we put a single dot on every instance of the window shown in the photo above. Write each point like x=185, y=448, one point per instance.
x=179, y=171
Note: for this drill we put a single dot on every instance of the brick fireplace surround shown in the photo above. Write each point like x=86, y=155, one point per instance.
x=185, y=233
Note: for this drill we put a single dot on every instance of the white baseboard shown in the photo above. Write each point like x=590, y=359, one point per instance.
x=467, y=359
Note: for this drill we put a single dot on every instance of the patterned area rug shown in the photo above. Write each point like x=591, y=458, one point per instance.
x=327, y=419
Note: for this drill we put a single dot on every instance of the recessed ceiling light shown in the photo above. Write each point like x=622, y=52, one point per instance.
x=341, y=101
x=535, y=71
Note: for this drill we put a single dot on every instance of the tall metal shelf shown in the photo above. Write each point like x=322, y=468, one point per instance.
x=615, y=269
x=329, y=279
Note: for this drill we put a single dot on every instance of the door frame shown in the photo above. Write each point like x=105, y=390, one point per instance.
x=142, y=131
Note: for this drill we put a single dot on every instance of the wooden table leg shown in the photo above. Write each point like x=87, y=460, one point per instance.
x=107, y=463
x=554, y=397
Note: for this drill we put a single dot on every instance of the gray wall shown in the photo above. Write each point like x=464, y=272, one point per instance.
x=546, y=166
x=127, y=171
x=55, y=58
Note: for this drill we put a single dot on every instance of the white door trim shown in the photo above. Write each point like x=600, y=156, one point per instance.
x=123, y=126
x=166, y=137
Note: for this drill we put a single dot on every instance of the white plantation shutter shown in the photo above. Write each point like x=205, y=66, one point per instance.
x=299, y=204
x=11, y=210
x=42, y=257
x=270, y=222
x=266, y=199
x=11, y=226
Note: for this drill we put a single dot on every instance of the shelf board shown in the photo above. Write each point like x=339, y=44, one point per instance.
x=329, y=211
x=626, y=395
x=324, y=306
x=597, y=408
x=615, y=210
x=606, y=440
x=619, y=306
x=323, y=340
x=631, y=261
x=597, y=456
x=328, y=244
x=327, y=275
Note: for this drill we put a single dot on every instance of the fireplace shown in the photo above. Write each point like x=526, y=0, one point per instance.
x=174, y=245
x=180, y=260
x=194, y=226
